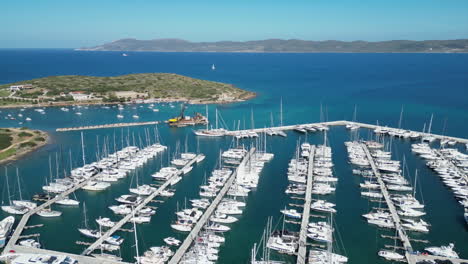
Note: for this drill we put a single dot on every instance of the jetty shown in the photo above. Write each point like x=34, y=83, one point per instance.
x=128, y=217
x=209, y=211
x=107, y=126
x=24, y=220
x=342, y=123
x=302, y=252
x=79, y=258
x=396, y=218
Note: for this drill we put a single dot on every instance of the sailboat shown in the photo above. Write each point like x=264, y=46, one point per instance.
x=11, y=208
x=429, y=138
x=23, y=203
x=210, y=132
x=86, y=231
x=352, y=126
x=213, y=67
x=327, y=257
x=391, y=254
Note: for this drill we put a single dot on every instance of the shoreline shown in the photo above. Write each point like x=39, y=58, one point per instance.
x=25, y=152
x=147, y=101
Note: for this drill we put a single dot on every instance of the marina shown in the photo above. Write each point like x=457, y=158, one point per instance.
x=333, y=195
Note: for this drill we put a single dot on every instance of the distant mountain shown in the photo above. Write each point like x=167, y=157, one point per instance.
x=280, y=45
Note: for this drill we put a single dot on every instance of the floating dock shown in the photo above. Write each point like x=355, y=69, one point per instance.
x=79, y=258
x=206, y=215
x=24, y=220
x=140, y=206
x=396, y=218
x=343, y=123
x=302, y=252
x=107, y=126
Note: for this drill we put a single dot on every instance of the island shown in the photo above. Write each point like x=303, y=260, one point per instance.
x=16, y=142
x=286, y=46
x=142, y=87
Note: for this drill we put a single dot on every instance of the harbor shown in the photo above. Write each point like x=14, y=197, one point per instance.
x=315, y=190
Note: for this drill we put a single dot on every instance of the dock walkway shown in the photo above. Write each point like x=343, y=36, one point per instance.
x=106, y=126
x=79, y=258
x=128, y=217
x=209, y=211
x=396, y=218
x=344, y=123
x=302, y=252
x=24, y=220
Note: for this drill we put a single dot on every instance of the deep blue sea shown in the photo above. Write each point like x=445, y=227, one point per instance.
x=379, y=85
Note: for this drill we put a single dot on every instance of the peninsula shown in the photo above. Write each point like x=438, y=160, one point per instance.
x=75, y=89
x=287, y=46
x=16, y=142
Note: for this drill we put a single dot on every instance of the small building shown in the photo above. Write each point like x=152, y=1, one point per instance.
x=19, y=87
x=130, y=94
x=80, y=96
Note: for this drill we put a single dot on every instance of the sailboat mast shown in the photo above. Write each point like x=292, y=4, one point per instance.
x=19, y=185
x=82, y=149
x=401, y=118
x=216, y=118
x=8, y=185
x=281, y=111
x=415, y=183
x=430, y=124
x=136, y=238
x=207, y=119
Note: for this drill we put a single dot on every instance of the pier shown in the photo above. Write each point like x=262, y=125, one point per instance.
x=209, y=211
x=344, y=123
x=118, y=226
x=79, y=258
x=302, y=252
x=107, y=126
x=24, y=220
x=396, y=218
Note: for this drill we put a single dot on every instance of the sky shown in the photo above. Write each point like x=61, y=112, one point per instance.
x=84, y=23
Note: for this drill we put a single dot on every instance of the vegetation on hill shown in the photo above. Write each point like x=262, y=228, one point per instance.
x=146, y=85
x=15, y=142
x=281, y=45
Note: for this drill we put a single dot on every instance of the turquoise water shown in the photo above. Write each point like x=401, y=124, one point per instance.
x=379, y=84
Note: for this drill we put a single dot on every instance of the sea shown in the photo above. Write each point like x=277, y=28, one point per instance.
x=386, y=89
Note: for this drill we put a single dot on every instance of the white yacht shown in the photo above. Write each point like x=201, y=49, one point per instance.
x=171, y=241
x=105, y=222
x=390, y=255
x=5, y=229
x=67, y=201
x=222, y=218
x=291, y=213
x=47, y=212
x=30, y=243
x=443, y=251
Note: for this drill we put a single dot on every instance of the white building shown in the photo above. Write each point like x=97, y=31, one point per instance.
x=80, y=96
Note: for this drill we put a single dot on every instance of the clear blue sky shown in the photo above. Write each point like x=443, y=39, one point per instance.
x=73, y=23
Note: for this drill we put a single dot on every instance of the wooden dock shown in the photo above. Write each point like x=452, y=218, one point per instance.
x=107, y=126
x=396, y=218
x=209, y=211
x=302, y=252
x=118, y=226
